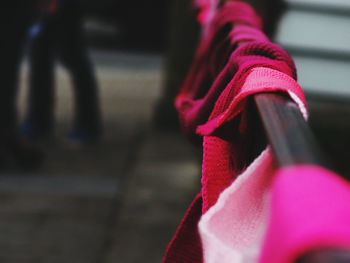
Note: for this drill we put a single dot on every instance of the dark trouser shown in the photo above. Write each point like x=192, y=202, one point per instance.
x=61, y=36
x=15, y=17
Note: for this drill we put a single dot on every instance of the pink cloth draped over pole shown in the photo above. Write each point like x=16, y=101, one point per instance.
x=223, y=158
x=276, y=216
x=234, y=61
x=221, y=65
x=233, y=227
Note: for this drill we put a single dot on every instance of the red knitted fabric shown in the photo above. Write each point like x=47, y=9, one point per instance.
x=207, y=65
x=212, y=103
x=186, y=245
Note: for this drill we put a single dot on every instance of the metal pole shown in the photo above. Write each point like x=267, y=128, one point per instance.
x=287, y=131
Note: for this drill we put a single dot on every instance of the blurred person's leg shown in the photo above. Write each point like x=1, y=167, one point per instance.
x=10, y=51
x=15, y=17
x=73, y=53
x=40, y=115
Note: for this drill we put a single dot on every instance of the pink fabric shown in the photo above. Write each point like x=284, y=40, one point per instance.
x=270, y=216
x=186, y=246
x=245, y=33
x=224, y=145
x=259, y=80
x=233, y=229
x=224, y=155
x=234, y=60
x=309, y=210
x=206, y=67
x=206, y=9
x=223, y=71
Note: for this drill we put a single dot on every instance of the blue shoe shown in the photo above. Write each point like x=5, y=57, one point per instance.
x=32, y=132
x=83, y=137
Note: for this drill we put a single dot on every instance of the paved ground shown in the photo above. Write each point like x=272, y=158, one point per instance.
x=118, y=201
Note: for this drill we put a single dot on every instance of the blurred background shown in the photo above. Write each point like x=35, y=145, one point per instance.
x=110, y=182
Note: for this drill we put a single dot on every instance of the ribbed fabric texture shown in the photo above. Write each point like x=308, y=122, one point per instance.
x=234, y=60
x=186, y=244
x=210, y=103
x=224, y=143
x=246, y=211
x=233, y=226
x=233, y=229
x=233, y=46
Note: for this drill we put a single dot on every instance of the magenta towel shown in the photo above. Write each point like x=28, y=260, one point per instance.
x=309, y=210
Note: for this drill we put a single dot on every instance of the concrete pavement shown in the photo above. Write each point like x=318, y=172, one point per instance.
x=118, y=201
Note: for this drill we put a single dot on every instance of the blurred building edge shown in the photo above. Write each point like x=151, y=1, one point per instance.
x=182, y=39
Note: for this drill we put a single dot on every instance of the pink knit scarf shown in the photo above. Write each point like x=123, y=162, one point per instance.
x=213, y=102
x=248, y=210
